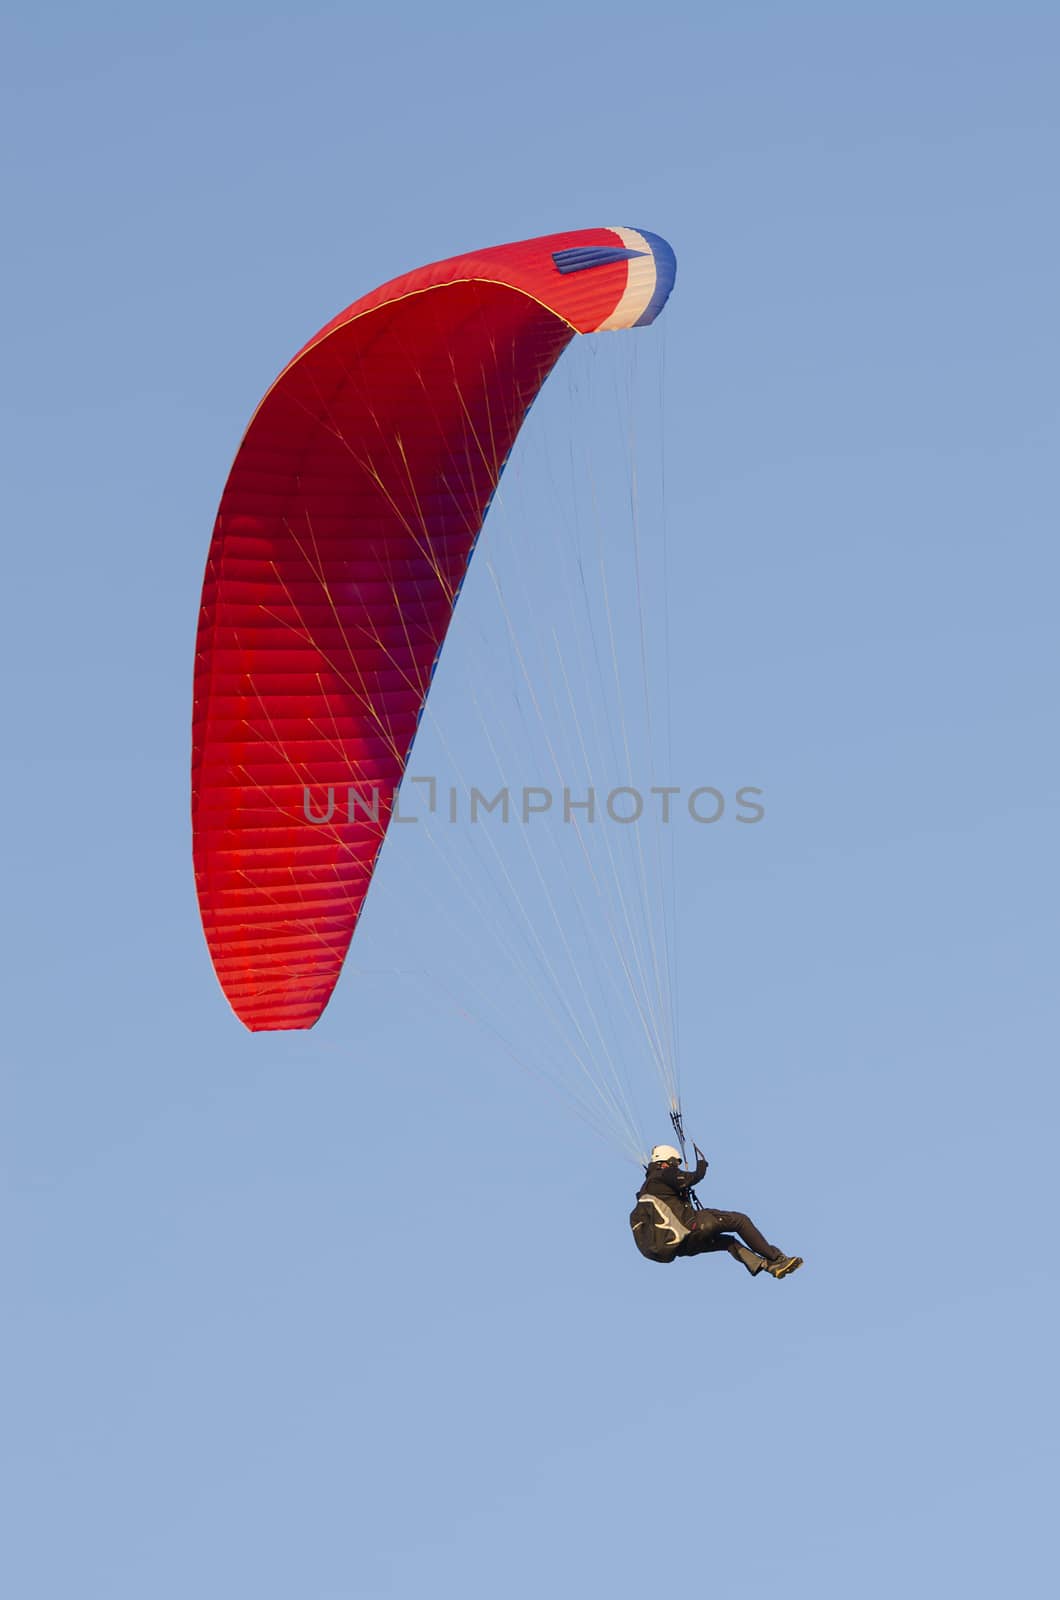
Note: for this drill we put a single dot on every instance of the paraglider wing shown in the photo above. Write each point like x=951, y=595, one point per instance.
x=342, y=537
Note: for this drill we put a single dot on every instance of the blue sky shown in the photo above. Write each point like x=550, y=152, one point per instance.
x=357, y=1314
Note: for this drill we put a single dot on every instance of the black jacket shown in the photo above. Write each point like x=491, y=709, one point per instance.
x=674, y=1186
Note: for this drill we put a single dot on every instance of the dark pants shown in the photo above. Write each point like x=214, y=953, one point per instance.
x=712, y=1230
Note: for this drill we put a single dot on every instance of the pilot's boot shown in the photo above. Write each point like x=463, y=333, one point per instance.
x=783, y=1266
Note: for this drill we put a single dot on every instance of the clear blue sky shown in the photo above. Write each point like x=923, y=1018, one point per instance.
x=243, y=1357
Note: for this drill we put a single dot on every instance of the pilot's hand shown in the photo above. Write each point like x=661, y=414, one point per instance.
x=699, y=1154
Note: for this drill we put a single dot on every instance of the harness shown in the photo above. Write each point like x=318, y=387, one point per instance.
x=666, y=1217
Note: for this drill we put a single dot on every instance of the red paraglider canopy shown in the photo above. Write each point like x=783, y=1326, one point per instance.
x=340, y=544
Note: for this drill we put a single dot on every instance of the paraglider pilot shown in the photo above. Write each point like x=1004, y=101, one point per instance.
x=668, y=1222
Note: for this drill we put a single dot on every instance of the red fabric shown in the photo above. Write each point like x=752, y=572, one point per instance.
x=342, y=537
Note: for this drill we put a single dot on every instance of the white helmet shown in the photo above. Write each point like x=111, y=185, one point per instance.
x=665, y=1152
